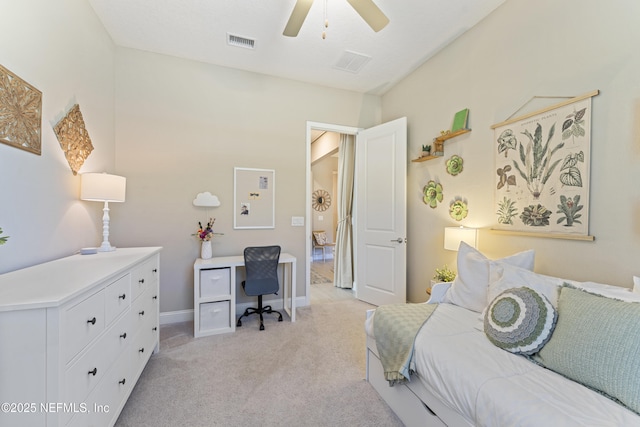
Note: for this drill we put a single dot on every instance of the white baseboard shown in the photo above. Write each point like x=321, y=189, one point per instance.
x=179, y=316
x=169, y=317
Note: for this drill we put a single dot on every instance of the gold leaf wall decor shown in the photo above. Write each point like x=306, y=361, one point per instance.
x=20, y=113
x=74, y=138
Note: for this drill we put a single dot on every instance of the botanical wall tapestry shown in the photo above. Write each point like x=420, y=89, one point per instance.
x=542, y=164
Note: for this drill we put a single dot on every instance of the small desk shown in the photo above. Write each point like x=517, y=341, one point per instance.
x=214, y=298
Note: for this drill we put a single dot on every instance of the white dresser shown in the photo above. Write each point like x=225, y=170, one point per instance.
x=75, y=335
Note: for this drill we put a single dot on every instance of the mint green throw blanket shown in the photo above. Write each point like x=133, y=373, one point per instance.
x=395, y=327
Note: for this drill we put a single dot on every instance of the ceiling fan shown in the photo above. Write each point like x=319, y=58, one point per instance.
x=367, y=9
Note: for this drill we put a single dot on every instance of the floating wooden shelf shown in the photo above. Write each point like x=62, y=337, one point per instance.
x=425, y=158
x=438, y=143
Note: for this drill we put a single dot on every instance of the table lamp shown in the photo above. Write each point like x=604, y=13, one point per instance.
x=454, y=235
x=102, y=187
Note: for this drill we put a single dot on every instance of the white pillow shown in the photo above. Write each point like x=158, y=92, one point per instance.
x=469, y=288
x=503, y=276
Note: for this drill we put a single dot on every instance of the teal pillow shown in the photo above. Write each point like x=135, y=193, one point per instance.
x=596, y=342
x=520, y=320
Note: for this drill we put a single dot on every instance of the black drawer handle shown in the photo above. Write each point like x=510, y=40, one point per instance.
x=123, y=336
x=122, y=381
x=92, y=321
x=122, y=297
x=141, y=281
x=141, y=350
x=155, y=328
x=141, y=313
x=155, y=297
x=93, y=372
x=155, y=270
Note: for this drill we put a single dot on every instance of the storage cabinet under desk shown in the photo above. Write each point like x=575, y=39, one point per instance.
x=214, y=302
x=73, y=339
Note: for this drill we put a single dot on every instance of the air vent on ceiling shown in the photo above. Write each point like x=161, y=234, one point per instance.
x=352, y=61
x=240, y=41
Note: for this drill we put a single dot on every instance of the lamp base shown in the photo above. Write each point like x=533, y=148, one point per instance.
x=106, y=247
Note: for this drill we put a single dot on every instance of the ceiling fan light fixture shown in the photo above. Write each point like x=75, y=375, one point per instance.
x=367, y=10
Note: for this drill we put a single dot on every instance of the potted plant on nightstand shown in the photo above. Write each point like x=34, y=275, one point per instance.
x=443, y=274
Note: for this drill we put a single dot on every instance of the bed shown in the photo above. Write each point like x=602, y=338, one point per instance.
x=461, y=378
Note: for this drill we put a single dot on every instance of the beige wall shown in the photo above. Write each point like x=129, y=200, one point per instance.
x=525, y=49
x=63, y=50
x=182, y=126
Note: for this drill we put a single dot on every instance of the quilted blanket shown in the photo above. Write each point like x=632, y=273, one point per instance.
x=395, y=328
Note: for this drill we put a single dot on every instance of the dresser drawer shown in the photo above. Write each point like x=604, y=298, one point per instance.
x=143, y=310
x=117, y=298
x=215, y=282
x=104, y=403
x=144, y=276
x=142, y=348
x=82, y=323
x=83, y=376
x=215, y=315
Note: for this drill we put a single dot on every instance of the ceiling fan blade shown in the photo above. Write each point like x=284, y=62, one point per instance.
x=371, y=14
x=298, y=15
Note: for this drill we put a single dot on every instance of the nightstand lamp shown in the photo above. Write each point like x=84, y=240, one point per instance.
x=102, y=187
x=454, y=235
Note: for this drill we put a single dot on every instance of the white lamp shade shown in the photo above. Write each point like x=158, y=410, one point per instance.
x=102, y=187
x=454, y=235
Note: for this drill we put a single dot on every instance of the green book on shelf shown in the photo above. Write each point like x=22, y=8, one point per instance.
x=460, y=120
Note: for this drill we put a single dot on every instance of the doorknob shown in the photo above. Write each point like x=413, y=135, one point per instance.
x=399, y=240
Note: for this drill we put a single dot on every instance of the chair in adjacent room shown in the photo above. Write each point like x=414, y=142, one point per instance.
x=261, y=265
x=320, y=241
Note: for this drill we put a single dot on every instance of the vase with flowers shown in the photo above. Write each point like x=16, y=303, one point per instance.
x=205, y=234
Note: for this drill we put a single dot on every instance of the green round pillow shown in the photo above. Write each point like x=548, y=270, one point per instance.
x=520, y=320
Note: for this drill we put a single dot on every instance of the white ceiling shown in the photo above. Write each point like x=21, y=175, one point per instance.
x=197, y=30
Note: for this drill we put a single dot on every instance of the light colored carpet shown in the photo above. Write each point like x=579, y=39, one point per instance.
x=307, y=373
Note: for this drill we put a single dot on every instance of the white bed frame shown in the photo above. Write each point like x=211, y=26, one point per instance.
x=412, y=402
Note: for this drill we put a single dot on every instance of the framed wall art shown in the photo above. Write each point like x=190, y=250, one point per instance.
x=254, y=198
x=20, y=113
x=542, y=171
x=73, y=138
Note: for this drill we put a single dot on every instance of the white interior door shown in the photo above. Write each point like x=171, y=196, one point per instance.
x=380, y=214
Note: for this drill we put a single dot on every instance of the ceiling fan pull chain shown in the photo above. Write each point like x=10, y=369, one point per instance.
x=326, y=21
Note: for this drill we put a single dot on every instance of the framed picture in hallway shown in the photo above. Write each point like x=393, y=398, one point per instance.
x=254, y=198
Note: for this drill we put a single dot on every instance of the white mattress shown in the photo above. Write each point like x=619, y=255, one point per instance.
x=491, y=387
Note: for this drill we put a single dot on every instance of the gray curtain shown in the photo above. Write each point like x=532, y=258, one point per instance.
x=343, y=264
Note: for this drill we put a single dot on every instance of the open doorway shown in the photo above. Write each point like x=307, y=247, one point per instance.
x=322, y=214
x=324, y=201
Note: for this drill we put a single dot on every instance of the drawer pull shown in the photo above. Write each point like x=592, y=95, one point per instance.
x=93, y=372
x=123, y=336
x=155, y=270
x=122, y=297
x=141, y=313
x=141, y=350
x=155, y=328
x=92, y=321
x=141, y=281
x=122, y=381
x=155, y=297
